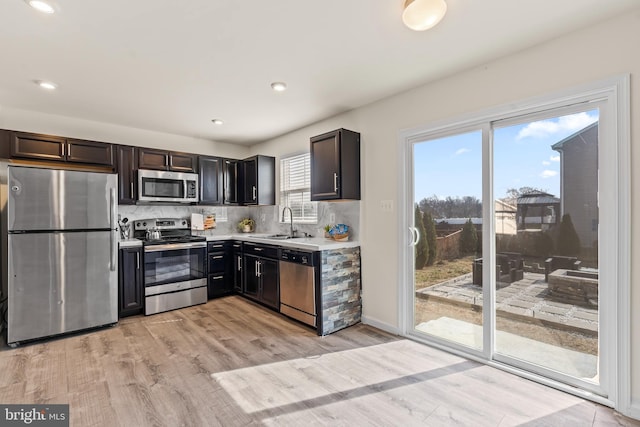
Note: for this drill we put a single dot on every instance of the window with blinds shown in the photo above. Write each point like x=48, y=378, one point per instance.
x=295, y=188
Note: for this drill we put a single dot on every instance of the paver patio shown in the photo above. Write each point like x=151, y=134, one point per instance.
x=525, y=300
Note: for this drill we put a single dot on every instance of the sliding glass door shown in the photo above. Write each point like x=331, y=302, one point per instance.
x=506, y=240
x=447, y=176
x=545, y=192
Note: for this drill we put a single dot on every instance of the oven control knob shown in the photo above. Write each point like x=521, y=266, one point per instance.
x=184, y=222
x=144, y=224
x=304, y=260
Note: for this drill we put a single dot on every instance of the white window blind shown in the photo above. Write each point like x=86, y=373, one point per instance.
x=295, y=188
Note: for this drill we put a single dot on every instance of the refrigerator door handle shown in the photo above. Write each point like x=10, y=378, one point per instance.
x=114, y=230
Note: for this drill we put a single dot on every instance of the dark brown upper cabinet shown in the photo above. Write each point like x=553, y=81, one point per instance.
x=127, y=165
x=335, y=166
x=211, y=180
x=60, y=149
x=231, y=181
x=151, y=158
x=259, y=180
x=5, y=143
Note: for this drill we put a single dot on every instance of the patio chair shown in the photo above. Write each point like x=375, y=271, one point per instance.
x=559, y=262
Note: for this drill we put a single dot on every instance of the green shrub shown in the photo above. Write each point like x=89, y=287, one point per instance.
x=468, y=238
x=568, y=243
x=543, y=245
x=430, y=230
x=422, y=247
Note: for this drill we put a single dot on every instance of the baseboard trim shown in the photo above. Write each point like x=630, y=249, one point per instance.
x=380, y=325
x=633, y=411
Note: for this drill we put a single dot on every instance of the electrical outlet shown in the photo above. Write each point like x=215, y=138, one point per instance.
x=263, y=218
x=332, y=218
x=386, y=205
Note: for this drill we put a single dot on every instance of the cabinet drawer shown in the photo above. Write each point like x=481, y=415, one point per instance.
x=218, y=285
x=216, y=262
x=261, y=250
x=216, y=246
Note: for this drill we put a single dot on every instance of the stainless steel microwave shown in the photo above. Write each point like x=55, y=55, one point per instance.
x=165, y=186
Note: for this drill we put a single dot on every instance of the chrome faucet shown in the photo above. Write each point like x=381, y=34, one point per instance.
x=293, y=232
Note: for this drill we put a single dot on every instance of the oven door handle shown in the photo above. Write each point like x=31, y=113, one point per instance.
x=175, y=246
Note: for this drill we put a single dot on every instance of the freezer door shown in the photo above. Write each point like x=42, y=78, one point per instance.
x=50, y=199
x=59, y=282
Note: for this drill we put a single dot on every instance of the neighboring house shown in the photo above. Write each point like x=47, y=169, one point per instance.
x=579, y=182
x=505, y=214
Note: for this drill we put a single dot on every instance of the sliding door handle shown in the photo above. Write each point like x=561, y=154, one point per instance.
x=415, y=236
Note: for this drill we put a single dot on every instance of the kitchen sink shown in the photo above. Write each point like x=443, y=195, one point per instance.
x=277, y=237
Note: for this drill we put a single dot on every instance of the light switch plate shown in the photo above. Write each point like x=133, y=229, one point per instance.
x=386, y=205
x=332, y=218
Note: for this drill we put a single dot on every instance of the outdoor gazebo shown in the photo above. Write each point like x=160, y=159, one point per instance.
x=537, y=210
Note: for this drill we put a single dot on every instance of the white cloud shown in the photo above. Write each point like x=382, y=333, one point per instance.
x=462, y=151
x=546, y=163
x=548, y=173
x=545, y=128
x=555, y=158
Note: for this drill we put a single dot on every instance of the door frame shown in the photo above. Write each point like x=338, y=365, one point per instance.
x=617, y=166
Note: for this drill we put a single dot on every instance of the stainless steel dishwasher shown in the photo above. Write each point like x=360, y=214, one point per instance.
x=298, y=285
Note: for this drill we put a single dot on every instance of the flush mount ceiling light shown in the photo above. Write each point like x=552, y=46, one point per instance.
x=217, y=122
x=41, y=6
x=279, y=86
x=420, y=15
x=45, y=84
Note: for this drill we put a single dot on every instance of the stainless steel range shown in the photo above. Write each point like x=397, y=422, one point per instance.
x=174, y=264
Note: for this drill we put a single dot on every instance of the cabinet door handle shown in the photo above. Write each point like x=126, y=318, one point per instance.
x=217, y=257
x=254, y=192
x=218, y=277
x=132, y=195
x=239, y=263
x=215, y=246
x=335, y=182
x=258, y=249
x=64, y=146
x=137, y=260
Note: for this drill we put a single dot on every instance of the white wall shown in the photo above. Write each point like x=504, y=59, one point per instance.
x=589, y=55
x=50, y=124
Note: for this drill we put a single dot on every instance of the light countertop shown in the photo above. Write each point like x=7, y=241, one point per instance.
x=129, y=243
x=308, y=243
x=305, y=243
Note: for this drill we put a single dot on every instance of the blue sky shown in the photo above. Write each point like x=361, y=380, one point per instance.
x=523, y=156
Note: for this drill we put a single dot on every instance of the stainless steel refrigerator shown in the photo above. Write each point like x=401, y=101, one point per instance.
x=59, y=251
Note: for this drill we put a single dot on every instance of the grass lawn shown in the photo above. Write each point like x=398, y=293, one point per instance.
x=443, y=270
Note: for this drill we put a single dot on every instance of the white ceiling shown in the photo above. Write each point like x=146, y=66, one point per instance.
x=172, y=66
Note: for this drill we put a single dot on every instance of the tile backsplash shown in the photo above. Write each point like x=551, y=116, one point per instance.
x=267, y=218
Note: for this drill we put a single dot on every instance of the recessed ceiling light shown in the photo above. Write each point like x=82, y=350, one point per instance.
x=217, y=122
x=279, y=86
x=41, y=6
x=46, y=85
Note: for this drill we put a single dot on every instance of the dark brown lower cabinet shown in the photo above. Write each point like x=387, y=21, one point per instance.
x=130, y=282
x=220, y=276
x=261, y=280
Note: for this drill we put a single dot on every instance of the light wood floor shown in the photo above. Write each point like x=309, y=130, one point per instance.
x=233, y=363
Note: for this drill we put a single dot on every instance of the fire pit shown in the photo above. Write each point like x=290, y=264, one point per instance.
x=574, y=287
